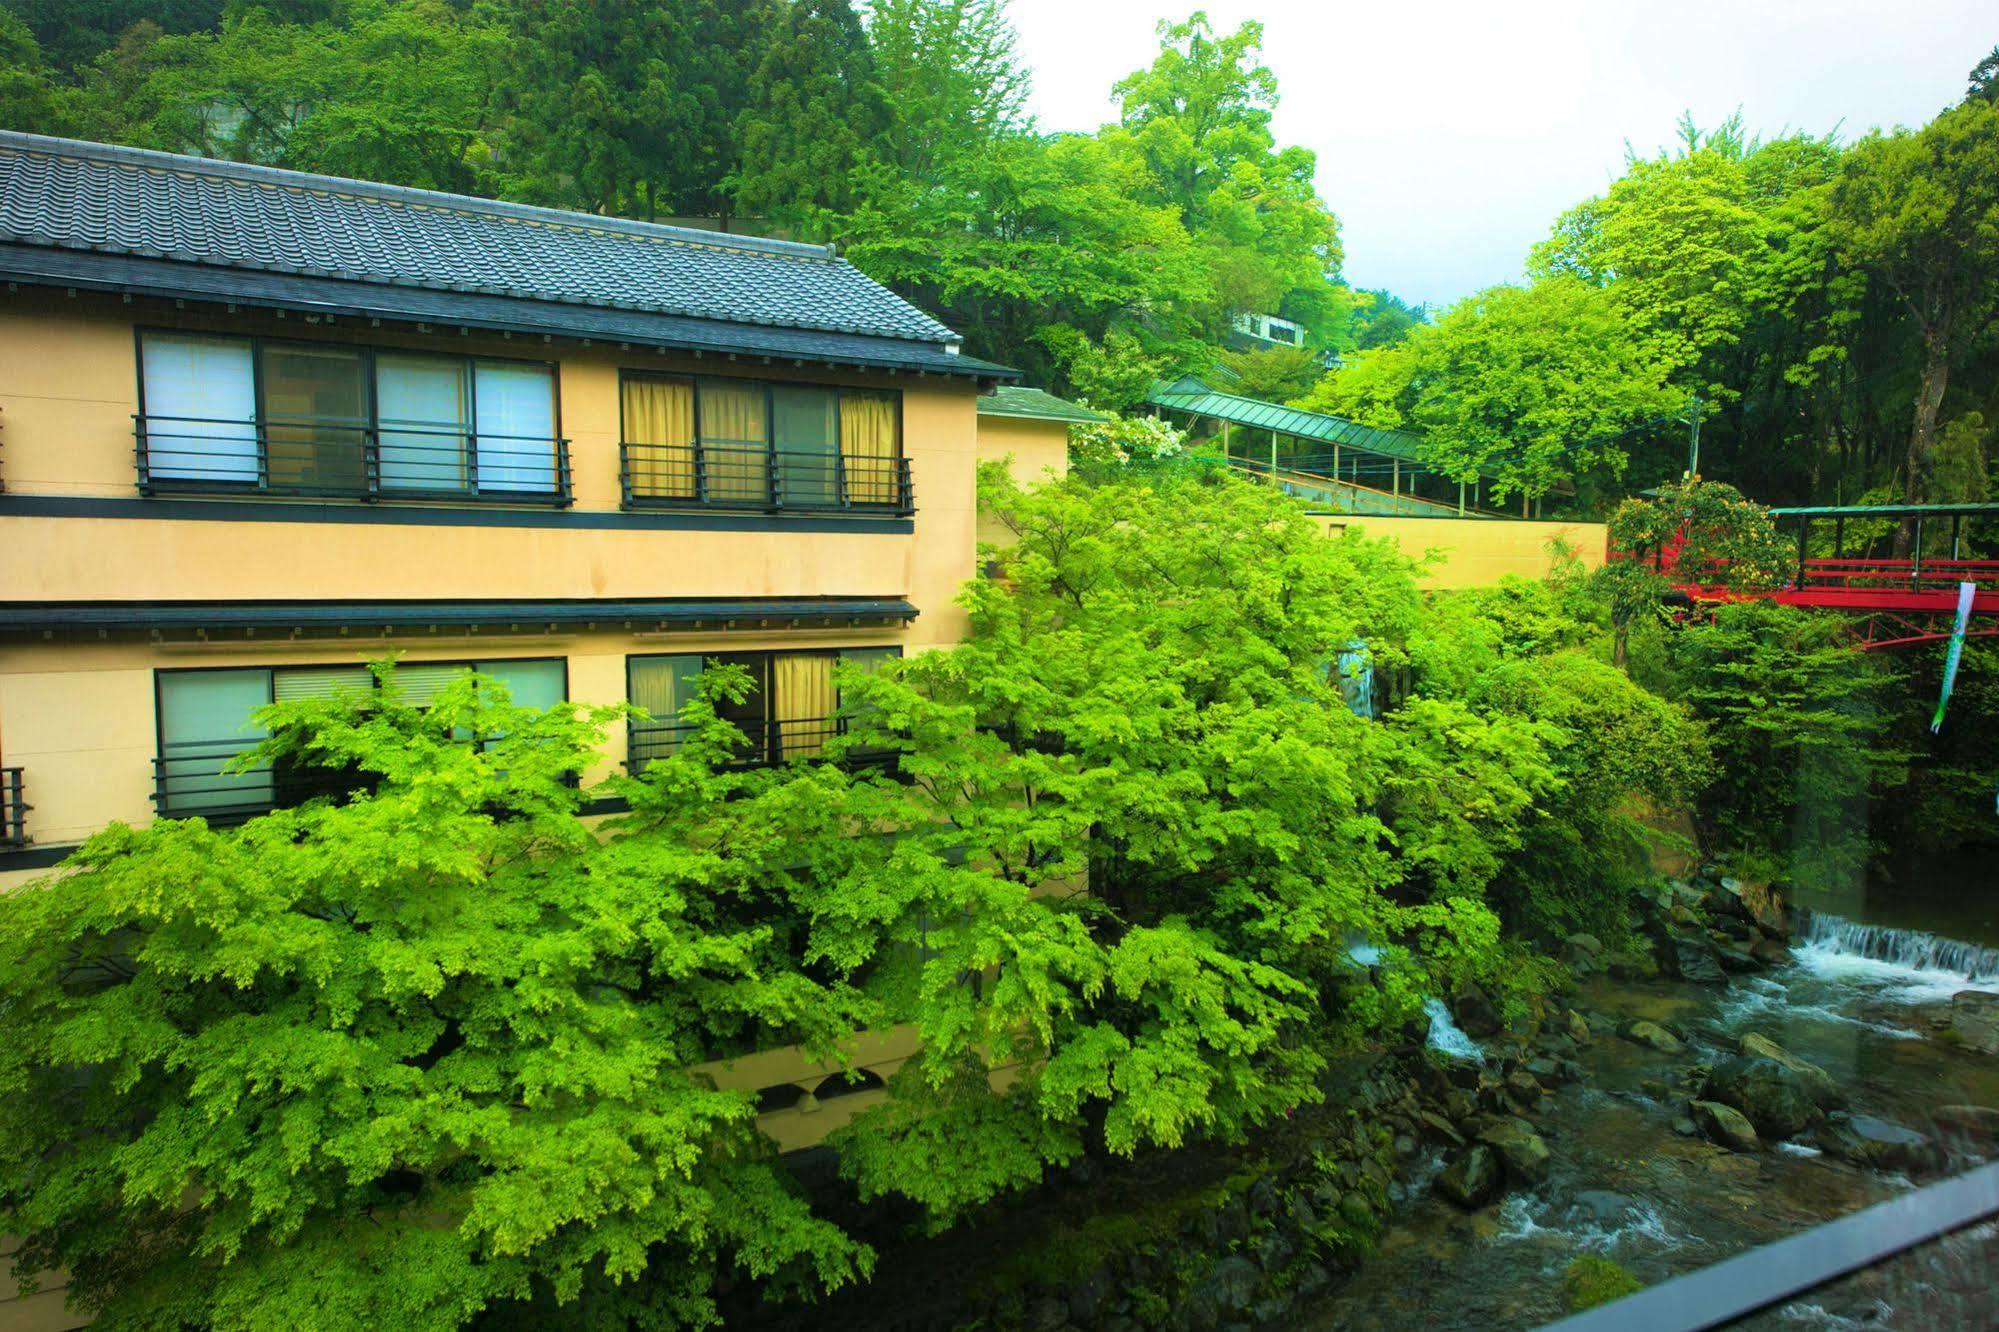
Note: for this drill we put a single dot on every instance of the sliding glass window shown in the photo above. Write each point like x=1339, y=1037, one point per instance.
x=205, y=725
x=249, y=415
x=792, y=709
x=745, y=443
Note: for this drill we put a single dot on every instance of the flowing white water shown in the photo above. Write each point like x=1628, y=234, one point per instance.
x=1903, y=966
x=1448, y=1037
x=1582, y=1227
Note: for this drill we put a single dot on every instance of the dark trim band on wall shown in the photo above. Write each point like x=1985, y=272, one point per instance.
x=815, y=612
x=427, y=515
x=34, y=858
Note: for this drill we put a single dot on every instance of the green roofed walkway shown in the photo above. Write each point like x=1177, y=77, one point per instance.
x=1033, y=404
x=1325, y=460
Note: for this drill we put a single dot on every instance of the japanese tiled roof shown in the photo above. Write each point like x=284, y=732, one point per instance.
x=210, y=217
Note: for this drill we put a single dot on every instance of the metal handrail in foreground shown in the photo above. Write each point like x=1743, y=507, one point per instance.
x=1742, y=1285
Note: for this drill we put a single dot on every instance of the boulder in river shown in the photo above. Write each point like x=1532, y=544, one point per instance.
x=1473, y=1179
x=1726, y=1125
x=1980, y=1119
x=1824, y=1091
x=1754, y=902
x=1440, y=1128
x=1579, y=1031
x=1693, y=960
x=1974, y=1016
x=1776, y=1099
x=1650, y=1034
x=1863, y=1140
x=1770, y=953
x=1520, y=1147
x=1477, y=1017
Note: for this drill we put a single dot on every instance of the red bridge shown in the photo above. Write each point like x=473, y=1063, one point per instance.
x=1896, y=600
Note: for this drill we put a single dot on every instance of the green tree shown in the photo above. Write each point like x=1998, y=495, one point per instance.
x=813, y=114
x=628, y=106
x=1384, y=319
x=1275, y=374
x=30, y=99
x=396, y=1060
x=1525, y=385
x=952, y=81
x=1919, y=212
x=1704, y=533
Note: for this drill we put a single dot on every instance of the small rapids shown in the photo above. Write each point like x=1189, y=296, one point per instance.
x=1447, y=1037
x=1902, y=966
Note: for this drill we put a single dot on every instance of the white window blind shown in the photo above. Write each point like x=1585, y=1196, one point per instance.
x=201, y=408
x=320, y=682
x=423, y=404
x=205, y=723
x=516, y=426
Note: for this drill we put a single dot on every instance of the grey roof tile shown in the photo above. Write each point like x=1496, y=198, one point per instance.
x=73, y=195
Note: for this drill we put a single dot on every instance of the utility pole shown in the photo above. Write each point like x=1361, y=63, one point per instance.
x=1694, y=441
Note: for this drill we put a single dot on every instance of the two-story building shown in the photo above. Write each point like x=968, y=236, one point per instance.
x=258, y=427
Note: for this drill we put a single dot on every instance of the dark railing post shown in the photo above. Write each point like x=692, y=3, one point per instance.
x=562, y=492
x=141, y=446
x=472, y=461
x=624, y=474
x=13, y=811
x=700, y=473
x=774, y=494
x=371, y=462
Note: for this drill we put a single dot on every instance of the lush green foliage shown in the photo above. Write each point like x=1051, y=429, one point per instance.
x=393, y=1061
x=1525, y=385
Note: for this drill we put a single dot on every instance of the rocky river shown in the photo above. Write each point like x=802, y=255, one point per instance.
x=1897, y=1052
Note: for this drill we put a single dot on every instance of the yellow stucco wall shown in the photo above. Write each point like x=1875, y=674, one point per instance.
x=1477, y=552
x=1034, y=450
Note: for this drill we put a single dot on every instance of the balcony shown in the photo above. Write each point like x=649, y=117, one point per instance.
x=13, y=810
x=765, y=743
x=323, y=459
x=189, y=778
x=716, y=476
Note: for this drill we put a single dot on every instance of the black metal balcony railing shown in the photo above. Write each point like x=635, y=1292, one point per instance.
x=13, y=809
x=347, y=460
x=190, y=778
x=749, y=477
x=765, y=743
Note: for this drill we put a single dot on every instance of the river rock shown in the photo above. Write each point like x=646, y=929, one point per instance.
x=1229, y=1287
x=1879, y=1144
x=1754, y=902
x=1770, y=953
x=1650, y=1034
x=1981, y=1119
x=1520, y=1147
x=1579, y=1031
x=1692, y=960
x=1725, y=1125
x=1524, y=1086
x=1824, y=1091
x=1440, y=1128
x=1776, y=1099
x=1974, y=1016
x=1635, y=964
x=1477, y=1017
x=1473, y=1179
x=1736, y=957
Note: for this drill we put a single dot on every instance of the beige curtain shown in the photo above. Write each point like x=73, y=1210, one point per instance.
x=660, y=411
x=803, y=708
x=735, y=439
x=868, y=446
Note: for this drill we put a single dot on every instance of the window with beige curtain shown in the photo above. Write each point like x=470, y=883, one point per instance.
x=659, y=412
x=805, y=702
x=735, y=440
x=869, y=447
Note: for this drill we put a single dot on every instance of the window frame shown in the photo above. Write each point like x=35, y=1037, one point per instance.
x=765, y=694
x=243, y=813
x=558, y=495
x=773, y=500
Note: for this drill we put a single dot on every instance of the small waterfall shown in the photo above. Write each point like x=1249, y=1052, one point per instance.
x=1911, y=950
x=1446, y=1036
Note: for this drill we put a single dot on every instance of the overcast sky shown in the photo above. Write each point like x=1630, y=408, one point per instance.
x=1450, y=135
